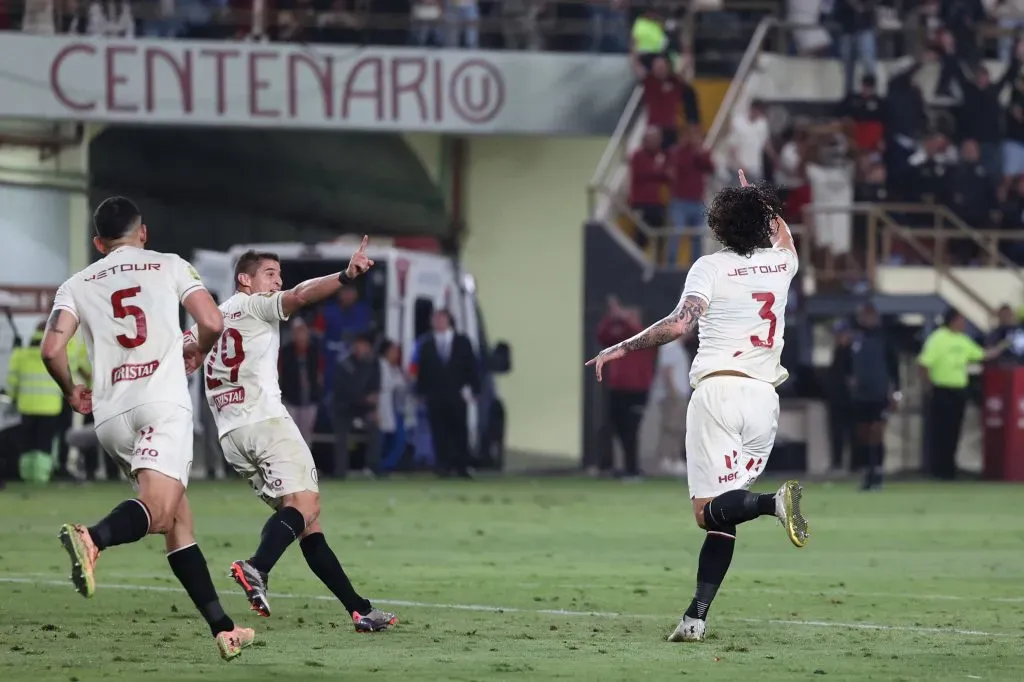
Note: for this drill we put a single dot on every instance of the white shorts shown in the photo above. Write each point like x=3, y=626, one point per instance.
x=730, y=432
x=156, y=436
x=273, y=455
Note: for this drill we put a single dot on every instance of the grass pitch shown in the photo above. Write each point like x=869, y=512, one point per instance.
x=537, y=580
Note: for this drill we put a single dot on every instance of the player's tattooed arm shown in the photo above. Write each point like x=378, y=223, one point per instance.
x=60, y=327
x=679, y=322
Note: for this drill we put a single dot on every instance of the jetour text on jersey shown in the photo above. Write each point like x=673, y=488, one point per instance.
x=123, y=267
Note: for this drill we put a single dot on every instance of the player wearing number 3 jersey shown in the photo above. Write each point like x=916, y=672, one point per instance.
x=259, y=438
x=737, y=300
x=127, y=305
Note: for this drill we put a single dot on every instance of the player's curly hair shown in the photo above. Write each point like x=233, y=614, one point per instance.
x=741, y=217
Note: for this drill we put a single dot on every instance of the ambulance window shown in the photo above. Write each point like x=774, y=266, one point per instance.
x=424, y=309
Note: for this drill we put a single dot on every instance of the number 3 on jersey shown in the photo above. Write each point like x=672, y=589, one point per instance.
x=230, y=353
x=767, y=300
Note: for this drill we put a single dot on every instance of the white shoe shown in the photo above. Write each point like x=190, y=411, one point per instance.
x=689, y=630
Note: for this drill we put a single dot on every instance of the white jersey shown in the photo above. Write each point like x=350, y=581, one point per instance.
x=241, y=371
x=127, y=308
x=743, y=326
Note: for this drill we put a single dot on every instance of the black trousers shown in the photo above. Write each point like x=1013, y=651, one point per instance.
x=625, y=411
x=945, y=419
x=38, y=432
x=342, y=446
x=450, y=434
x=840, y=431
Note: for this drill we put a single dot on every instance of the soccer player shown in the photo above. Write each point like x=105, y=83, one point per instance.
x=259, y=438
x=127, y=306
x=737, y=299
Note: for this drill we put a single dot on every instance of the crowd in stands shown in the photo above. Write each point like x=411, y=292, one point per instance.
x=887, y=140
x=601, y=26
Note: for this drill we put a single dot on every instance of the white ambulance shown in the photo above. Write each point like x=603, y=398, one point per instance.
x=403, y=289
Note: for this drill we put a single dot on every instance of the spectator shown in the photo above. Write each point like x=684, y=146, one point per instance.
x=831, y=180
x=865, y=109
x=447, y=380
x=339, y=321
x=1013, y=142
x=522, y=24
x=646, y=181
x=857, y=37
x=426, y=23
x=39, y=17
x=296, y=21
x=687, y=165
x=671, y=391
x=648, y=38
x=463, y=19
x=749, y=140
x=628, y=383
x=300, y=378
x=905, y=120
x=1010, y=15
x=75, y=18
x=662, y=98
x=608, y=29
x=1010, y=333
x=930, y=166
x=973, y=189
x=1012, y=218
x=981, y=113
x=837, y=395
x=112, y=19
x=357, y=384
x=391, y=410
x=961, y=19
x=791, y=172
x=339, y=23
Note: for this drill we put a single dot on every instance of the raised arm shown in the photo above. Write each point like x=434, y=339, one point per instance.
x=782, y=238
x=674, y=325
x=319, y=288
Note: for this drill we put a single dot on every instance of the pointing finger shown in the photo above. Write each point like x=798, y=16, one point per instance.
x=743, y=179
x=362, y=247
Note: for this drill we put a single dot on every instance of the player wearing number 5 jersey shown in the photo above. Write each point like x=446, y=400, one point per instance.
x=127, y=305
x=259, y=438
x=737, y=300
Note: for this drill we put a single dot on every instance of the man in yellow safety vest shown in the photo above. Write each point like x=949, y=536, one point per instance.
x=37, y=397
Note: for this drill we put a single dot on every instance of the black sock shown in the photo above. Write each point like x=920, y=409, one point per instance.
x=189, y=566
x=326, y=566
x=127, y=522
x=735, y=507
x=280, y=530
x=713, y=564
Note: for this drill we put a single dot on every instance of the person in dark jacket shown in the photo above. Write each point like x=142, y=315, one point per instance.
x=447, y=379
x=300, y=378
x=356, y=392
x=837, y=394
x=874, y=390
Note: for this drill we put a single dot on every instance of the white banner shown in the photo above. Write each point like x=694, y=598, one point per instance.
x=294, y=86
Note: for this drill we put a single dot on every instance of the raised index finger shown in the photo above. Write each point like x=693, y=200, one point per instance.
x=362, y=246
x=743, y=179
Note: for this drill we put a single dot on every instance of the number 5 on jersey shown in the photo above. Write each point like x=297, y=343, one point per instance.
x=767, y=300
x=230, y=353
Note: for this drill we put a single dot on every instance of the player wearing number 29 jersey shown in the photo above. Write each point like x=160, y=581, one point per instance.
x=259, y=438
x=127, y=305
x=737, y=300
